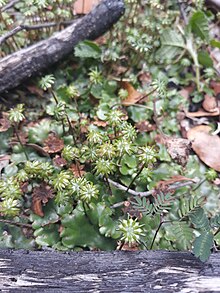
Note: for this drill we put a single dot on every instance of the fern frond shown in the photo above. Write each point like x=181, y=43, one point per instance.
x=161, y=202
x=183, y=234
x=188, y=205
x=215, y=221
x=143, y=205
x=199, y=219
x=202, y=246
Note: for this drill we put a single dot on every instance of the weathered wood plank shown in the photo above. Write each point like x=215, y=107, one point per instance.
x=118, y=271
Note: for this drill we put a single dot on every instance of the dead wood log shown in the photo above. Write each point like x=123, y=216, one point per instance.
x=118, y=271
x=30, y=61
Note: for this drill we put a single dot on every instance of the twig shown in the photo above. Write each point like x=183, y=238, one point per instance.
x=182, y=11
x=32, y=27
x=9, y=5
x=150, y=192
x=16, y=223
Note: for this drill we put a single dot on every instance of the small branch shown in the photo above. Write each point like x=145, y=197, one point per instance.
x=9, y=5
x=150, y=192
x=147, y=95
x=33, y=60
x=33, y=27
x=16, y=224
x=182, y=11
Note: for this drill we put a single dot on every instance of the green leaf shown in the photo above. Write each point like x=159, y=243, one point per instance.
x=202, y=246
x=50, y=216
x=130, y=161
x=11, y=170
x=79, y=231
x=47, y=236
x=199, y=25
x=197, y=97
x=6, y=239
x=102, y=214
x=205, y=59
x=199, y=219
x=65, y=208
x=215, y=43
x=215, y=221
x=183, y=234
x=138, y=114
x=88, y=49
x=102, y=111
x=12, y=237
x=172, y=44
x=161, y=202
x=188, y=205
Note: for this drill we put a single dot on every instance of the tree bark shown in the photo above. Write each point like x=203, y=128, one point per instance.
x=118, y=271
x=30, y=61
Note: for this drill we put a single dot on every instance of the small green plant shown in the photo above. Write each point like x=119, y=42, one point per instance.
x=92, y=173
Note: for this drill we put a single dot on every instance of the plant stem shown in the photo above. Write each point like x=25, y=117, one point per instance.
x=193, y=52
x=108, y=184
x=217, y=232
x=135, y=177
x=71, y=129
x=157, y=231
x=67, y=117
x=18, y=137
x=121, y=245
x=16, y=224
x=199, y=184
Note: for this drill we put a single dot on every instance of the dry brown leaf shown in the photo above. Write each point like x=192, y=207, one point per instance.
x=144, y=77
x=77, y=170
x=210, y=104
x=215, y=86
x=59, y=162
x=205, y=145
x=23, y=138
x=133, y=95
x=4, y=122
x=35, y=90
x=100, y=123
x=178, y=148
x=217, y=181
x=186, y=92
x=53, y=144
x=37, y=148
x=101, y=40
x=145, y=126
x=132, y=247
x=129, y=209
x=24, y=186
x=201, y=113
x=163, y=184
x=41, y=194
x=4, y=161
